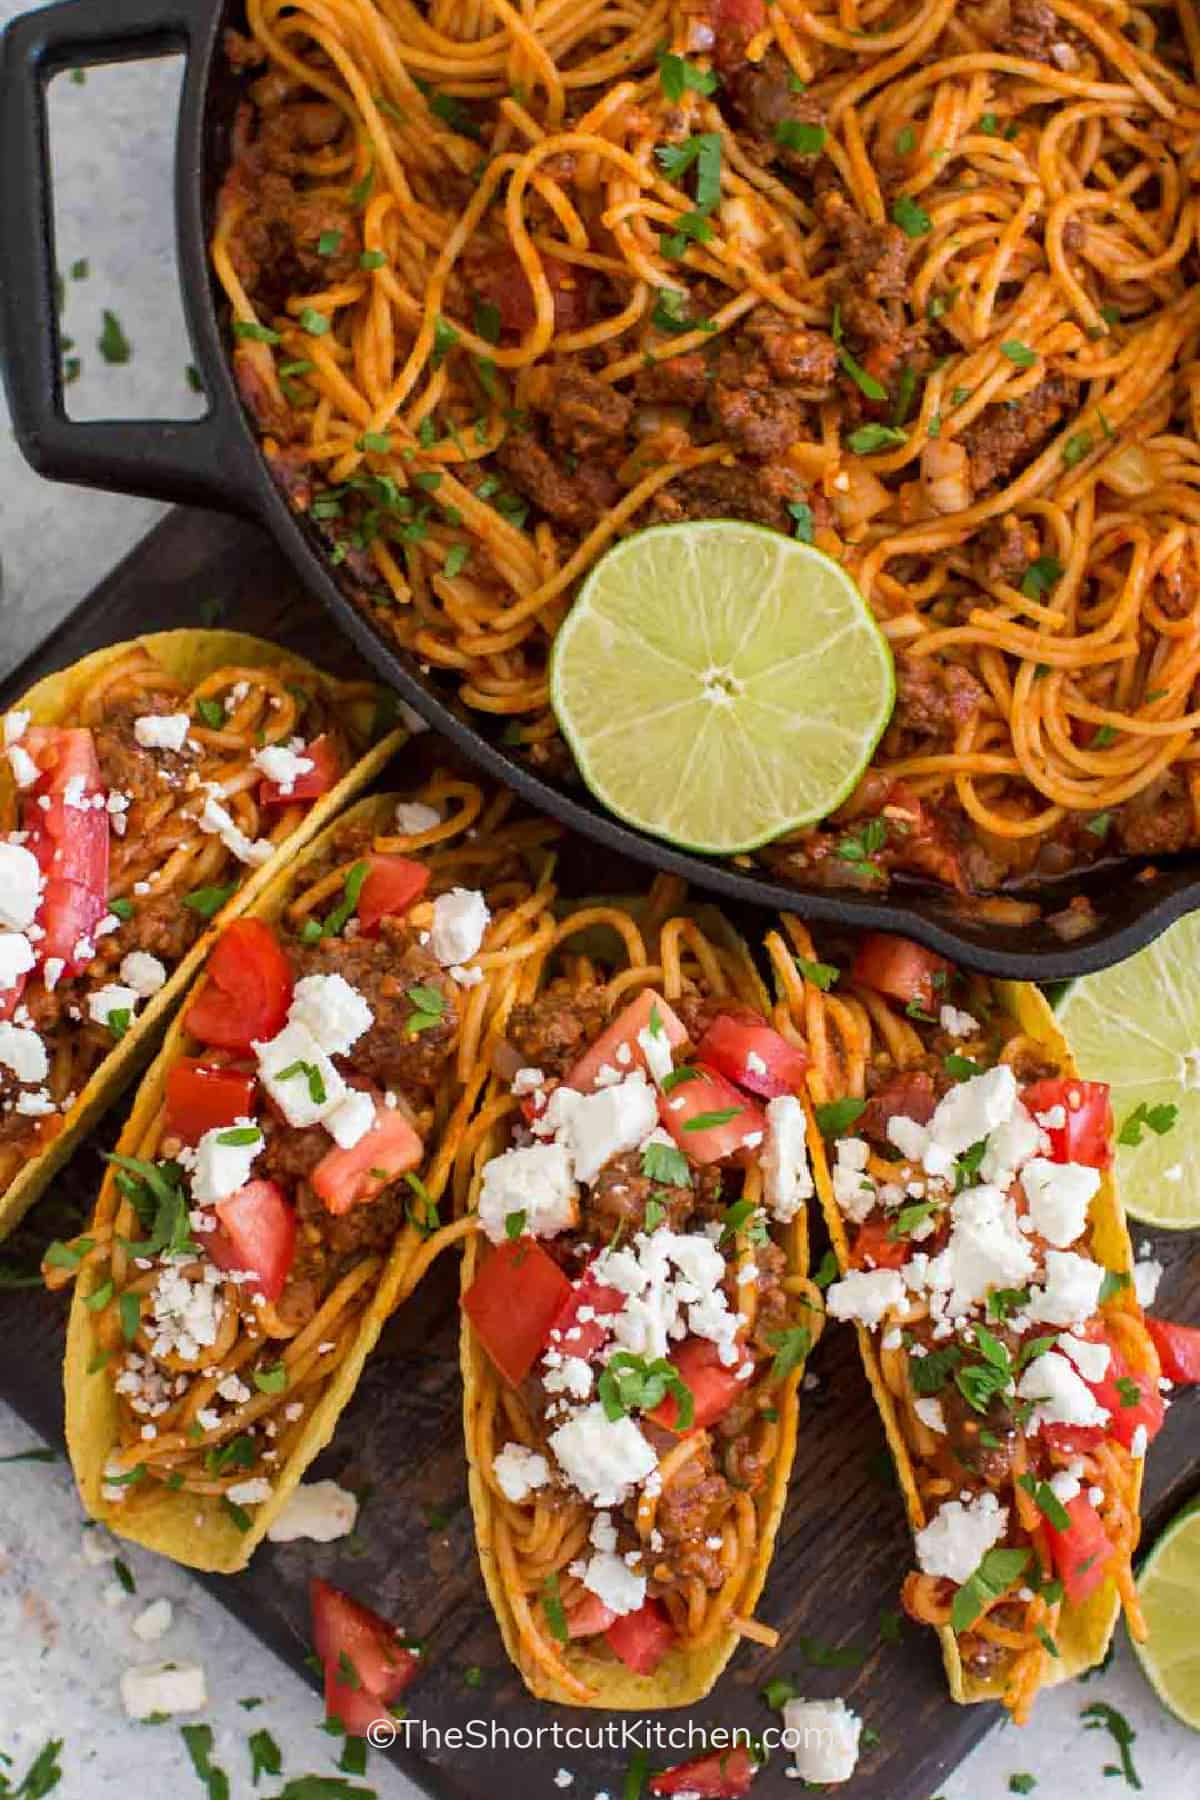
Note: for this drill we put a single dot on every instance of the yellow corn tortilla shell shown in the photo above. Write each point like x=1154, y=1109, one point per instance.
x=188, y=656
x=196, y=1529
x=684, y=1676
x=1083, y=1631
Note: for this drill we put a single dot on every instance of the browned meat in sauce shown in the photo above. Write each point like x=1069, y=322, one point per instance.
x=933, y=698
x=1155, y=824
x=586, y=414
x=621, y=1191
x=908, y=1094
x=385, y=970
x=127, y=767
x=553, y=1032
x=1004, y=438
x=760, y=496
x=693, y=1507
x=676, y=381
x=764, y=97
x=577, y=501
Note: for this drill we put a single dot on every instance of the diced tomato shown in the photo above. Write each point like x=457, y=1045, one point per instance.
x=873, y=1247
x=366, y=1667
x=709, y=1118
x=623, y=1034
x=70, y=841
x=516, y=1297
x=713, y=1386
x=1117, y=1391
x=502, y=281
x=346, y=1178
x=10, y=998
x=641, y=1639
x=391, y=886
x=247, y=991
x=589, y=1618
x=201, y=1097
x=722, y=1775
x=256, y=1229
x=1086, y=1137
x=1081, y=1553
x=735, y=23
x=909, y=1094
x=312, y=783
x=583, y=1338
x=740, y=1045
x=1073, y=1440
x=1178, y=1349
x=901, y=969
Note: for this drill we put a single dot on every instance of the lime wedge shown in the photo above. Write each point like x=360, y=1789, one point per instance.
x=1137, y=1026
x=1169, y=1590
x=720, y=683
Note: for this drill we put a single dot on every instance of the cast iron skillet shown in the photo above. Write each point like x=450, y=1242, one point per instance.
x=214, y=461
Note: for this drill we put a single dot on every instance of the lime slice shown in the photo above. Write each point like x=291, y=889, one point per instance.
x=1137, y=1026
x=720, y=683
x=1169, y=1590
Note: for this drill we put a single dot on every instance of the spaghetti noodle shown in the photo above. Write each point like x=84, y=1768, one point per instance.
x=631, y=1425
x=914, y=278
x=985, y=1258
x=277, y=1191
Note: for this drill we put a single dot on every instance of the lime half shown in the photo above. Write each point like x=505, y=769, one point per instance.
x=720, y=683
x=1169, y=1590
x=1137, y=1026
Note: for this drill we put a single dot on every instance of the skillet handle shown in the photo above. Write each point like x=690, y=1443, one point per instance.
x=197, y=460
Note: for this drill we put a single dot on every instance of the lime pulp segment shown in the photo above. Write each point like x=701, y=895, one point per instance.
x=1169, y=1590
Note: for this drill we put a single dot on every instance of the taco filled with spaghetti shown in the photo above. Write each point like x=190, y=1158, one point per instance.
x=146, y=794
x=636, y=1308
x=276, y=1191
x=984, y=1258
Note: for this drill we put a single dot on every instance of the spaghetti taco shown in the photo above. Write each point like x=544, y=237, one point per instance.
x=275, y=1193
x=146, y=794
x=636, y=1308
x=984, y=1258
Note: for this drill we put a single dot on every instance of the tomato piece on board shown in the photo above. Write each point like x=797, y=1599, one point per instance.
x=312, y=783
x=902, y=970
x=1081, y=1553
x=247, y=991
x=1178, y=1349
x=722, y=1775
x=714, y=1385
x=741, y=1045
x=583, y=1338
x=516, y=1297
x=589, y=1617
x=623, y=1033
x=367, y=1668
x=1086, y=1134
x=873, y=1248
x=709, y=1118
x=641, y=1639
x=202, y=1097
x=346, y=1178
x=256, y=1229
x=391, y=886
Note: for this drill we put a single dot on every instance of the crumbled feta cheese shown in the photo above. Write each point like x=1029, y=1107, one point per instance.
x=1091, y=1359
x=1146, y=1277
x=957, y=1024
x=20, y=887
x=114, y=997
x=1009, y=1148
x=1062, y=1396
x=823, y=1736
x=143, y=973
x=154, y=1621
x=908, y=1137
x=413, y=817
x=349, y=1122
x=853, y=1188
x=1065, y=1486
x=335, y=1013
x=460, y=919
x=23, y=1052
x=787, y=1178
x=16, y=958
x=217, y=822
x=167, y=1688
x=223, y=1168
x=620, y=1588
x=607, y=1123
x=1059, y=1195
x=162, y=731
x=250, y=1493
x=604, y=1458
x=24, y=770
x=970, y=1112
x=563, y=1778
x=865, y=1295
x=930, y=1413
x=573, y=1376
x=1072, y=1289
x=318, y=1510
x=299, y=1076
x=959, y=1536
x=282, y=765
x=527, y=1081
x=535, y=1180
x=1138, y=1442
x=16, y=724
x=985, y=1250
x=519, y=1471
x=186, y=1314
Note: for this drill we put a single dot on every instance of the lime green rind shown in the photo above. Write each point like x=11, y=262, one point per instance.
x=1137, y=1026
x=628, y=664
x=1169, y=1590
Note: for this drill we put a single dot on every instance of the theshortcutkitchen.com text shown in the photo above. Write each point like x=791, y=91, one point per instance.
x=627, y=1734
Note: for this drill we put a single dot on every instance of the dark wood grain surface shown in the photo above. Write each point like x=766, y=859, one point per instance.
x=844, y=1544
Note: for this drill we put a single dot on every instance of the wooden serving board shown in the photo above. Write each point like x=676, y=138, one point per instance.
x=844, y=1543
